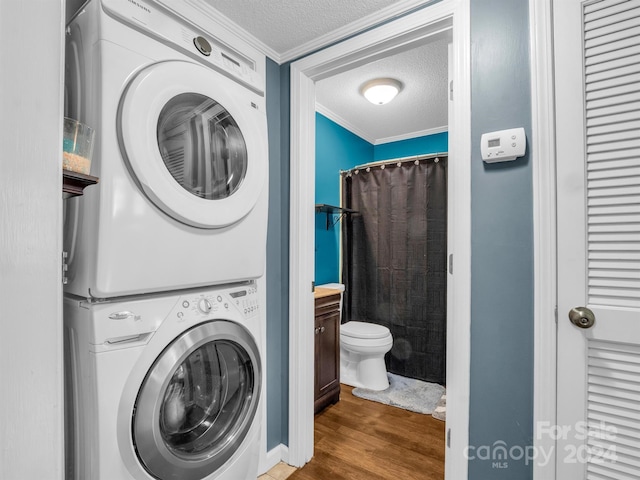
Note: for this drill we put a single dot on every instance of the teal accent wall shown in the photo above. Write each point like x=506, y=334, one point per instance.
x=336, y=149
x=339, y=149
x=501, y=390
x=436, y=143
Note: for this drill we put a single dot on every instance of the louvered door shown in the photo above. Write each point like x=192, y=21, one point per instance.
x=597, y=78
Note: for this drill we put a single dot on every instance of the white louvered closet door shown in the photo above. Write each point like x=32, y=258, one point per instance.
x=597, y=78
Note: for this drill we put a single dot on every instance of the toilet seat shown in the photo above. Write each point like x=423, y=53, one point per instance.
x=364, y=330
x=365, y=337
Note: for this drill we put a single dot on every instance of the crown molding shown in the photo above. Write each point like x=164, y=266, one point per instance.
x=410, y=135
x=334, y=117
x=353, y=28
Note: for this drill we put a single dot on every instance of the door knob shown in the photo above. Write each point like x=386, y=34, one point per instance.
x=582, y=317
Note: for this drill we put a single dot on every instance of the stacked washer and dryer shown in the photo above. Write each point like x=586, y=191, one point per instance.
x=163, y=312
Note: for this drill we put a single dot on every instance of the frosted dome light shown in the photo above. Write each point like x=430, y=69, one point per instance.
x=381, y=90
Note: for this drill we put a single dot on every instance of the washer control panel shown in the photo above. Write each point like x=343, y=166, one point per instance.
x=216, y=302
x=132, y=323
x=246, y=300
x=204, y=305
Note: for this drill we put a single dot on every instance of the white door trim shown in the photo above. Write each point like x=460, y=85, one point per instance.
x=544, y=218
x=382, y=41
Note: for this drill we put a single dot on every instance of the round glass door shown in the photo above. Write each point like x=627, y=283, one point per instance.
x=194, y=142
x=202, y=146
x=198, y=402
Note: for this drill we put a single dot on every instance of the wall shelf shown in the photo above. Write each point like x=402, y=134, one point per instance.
x=74, y=183
x=331, y=210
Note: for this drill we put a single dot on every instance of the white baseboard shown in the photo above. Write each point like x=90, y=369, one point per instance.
x=273, y=457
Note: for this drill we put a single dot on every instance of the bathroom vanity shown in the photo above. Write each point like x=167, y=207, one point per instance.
x=327, y=347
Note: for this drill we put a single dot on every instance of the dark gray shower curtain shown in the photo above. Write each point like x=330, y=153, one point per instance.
x=394, y=260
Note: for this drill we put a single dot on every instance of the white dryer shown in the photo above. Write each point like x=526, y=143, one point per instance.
x=181, y=153
x=165, y=386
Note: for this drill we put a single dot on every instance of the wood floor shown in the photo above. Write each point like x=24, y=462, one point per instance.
x=357, y=439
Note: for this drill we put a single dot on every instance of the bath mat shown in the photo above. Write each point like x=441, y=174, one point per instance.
x=407, y=393
x=440, y=412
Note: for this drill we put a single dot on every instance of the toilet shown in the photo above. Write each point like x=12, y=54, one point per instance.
x=362, y=349
x=363, y=346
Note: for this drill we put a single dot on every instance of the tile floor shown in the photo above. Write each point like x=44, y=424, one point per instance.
x=279, y=472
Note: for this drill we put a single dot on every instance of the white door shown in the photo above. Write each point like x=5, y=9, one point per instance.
x=597, y=77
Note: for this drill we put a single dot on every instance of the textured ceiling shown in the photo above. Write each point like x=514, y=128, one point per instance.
x=298, y=22
x=288, y=29
x=294, y=27
x=420, y=108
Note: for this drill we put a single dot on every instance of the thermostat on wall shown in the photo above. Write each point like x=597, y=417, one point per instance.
x=503, y=146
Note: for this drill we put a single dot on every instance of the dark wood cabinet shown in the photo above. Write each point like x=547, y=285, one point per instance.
x=327, y=350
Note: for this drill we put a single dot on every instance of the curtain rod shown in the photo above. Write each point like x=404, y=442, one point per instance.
x=413, y=158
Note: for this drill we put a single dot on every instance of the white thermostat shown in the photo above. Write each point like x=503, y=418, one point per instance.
x=503, y=146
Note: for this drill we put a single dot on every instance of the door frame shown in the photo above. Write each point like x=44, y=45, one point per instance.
x=545, y=233
x=391, y=37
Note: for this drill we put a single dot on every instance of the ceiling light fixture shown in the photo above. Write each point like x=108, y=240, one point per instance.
x=381, y=90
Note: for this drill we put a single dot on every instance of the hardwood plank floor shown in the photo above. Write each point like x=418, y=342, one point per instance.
x=357, y=439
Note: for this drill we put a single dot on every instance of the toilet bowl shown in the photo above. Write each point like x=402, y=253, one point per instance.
x=362, y=349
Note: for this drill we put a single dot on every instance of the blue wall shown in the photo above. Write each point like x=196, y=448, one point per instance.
x=339, y=149
x=277, y=333
x=501, y=406
x=336, y=149
x=501, y=403
x=437, y=143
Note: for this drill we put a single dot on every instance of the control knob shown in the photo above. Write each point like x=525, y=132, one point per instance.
x=204, y=305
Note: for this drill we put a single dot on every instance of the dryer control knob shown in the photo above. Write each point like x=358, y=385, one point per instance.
x=204, y=306
x=203, y=46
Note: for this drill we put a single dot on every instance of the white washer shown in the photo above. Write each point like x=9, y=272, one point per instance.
x=165, y=386
x=181, y=153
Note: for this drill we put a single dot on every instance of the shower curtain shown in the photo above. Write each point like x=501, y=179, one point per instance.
x=394, y=259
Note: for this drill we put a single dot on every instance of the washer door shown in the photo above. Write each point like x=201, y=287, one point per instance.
x=194, y=143
x=197, y=402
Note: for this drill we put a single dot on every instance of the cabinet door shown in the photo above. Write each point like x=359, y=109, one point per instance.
x=328, y=352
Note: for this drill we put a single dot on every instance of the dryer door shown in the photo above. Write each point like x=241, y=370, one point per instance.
x=194, y=142
x=198, y=402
